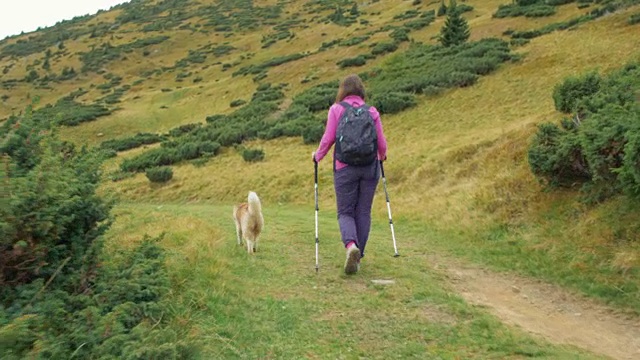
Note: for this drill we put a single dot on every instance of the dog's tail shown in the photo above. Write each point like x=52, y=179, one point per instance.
x=254, y=203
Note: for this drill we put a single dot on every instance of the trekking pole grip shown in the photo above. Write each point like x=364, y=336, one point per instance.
x=315, y=173
x=381, y=168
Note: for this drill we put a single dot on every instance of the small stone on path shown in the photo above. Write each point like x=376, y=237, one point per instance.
x=383, y=282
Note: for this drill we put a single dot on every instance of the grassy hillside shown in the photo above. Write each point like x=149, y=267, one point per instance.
x=457, y=168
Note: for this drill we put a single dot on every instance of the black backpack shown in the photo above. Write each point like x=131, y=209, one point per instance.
x=356, y=136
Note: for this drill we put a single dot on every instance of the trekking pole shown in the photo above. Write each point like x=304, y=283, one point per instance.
x=315, y=177
x=393, y=233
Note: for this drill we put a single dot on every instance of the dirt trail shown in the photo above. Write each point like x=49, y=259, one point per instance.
x=547, y=310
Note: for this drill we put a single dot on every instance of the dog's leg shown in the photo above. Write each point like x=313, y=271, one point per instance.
x=239, y=233
x=255, y=244
x=249, y=246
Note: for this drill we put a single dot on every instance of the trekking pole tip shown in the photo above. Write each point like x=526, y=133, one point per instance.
x=396, y=255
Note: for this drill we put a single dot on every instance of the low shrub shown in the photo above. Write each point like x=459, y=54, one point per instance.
x=393, y=102
x=253, y=155
x=595, y=146
x=312, y=134
x=350, y=62
x=237, y=102
x=159, y=174
x=568, y=94
x=132, y=142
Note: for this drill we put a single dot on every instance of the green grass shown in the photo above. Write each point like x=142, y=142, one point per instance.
x=274, y=305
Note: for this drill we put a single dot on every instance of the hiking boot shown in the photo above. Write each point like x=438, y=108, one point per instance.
x=351, y=265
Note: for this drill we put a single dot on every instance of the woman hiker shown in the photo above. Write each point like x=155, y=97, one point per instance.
x=360, y=146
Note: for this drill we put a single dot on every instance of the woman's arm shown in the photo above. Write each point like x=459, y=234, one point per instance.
x=382, y=141
x=329, y=136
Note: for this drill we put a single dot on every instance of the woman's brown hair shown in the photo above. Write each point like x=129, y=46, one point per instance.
x=351, y=85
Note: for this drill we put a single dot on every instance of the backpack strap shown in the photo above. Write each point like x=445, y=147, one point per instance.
x=348, y=106
x=345, y=105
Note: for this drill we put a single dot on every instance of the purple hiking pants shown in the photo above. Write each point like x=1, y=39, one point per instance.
x=355, y=187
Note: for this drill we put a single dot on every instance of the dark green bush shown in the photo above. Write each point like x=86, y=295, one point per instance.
x=184, y=129
x=407, y=15
x=458, y=79
x=424, y=20
x=596, y=145
x=70, y=113
x=338, y=17
x=383, y=48
x=120, y=175
x=151, y=158
x=109, y=153
x=393, y=102
x=312, y=133
x=94, y=59
x=426, y=68
x=634, y=19
x=463, y=8
x=561, y=2
x=399, y=35
x=259, y=68
x=222, y=50
x=540, y=11
x=159, y=174
x=351, y=41
x=118, y=314
x=215, y=118
x=170, y=153
x=555, y=157
x=61, y=297
x=350, y=62
x=629, y=173
x=55, y=208
x=253, y=155
x=268, y=95
x=518, y=42
x=31, y=76
x=237, y=102
x=208, y=148
x=270, y=39
x=67, y=73
x=187, y=151
x=535, y=9
x=319, y=97
x=603, y=137
x=606, y=8
x=567, y=94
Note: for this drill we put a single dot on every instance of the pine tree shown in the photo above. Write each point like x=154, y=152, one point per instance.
x=456, y=29
x=442, y=10
x=337, y=17
x=354, y=10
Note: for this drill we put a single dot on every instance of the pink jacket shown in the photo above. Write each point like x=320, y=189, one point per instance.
x=329, y=137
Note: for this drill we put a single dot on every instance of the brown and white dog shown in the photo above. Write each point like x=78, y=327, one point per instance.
x=249, y=221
